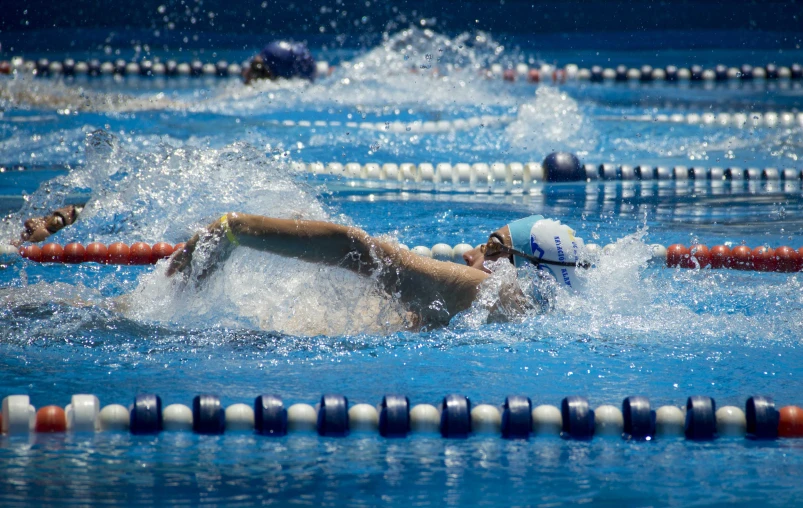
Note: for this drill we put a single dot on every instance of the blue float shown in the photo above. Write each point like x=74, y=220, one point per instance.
x=563, y=167
x=222, y=68
x=578, y=418
x=270, y=415
x=394, y=416
x=762, y=418
x=146, y=414
x=455, y=416
x=671, y=73
x=639, y=418
x=701, y=421
x=208, y=416
x=333, y=416
x=146, y=68
x=517, y=418
x=196, y=68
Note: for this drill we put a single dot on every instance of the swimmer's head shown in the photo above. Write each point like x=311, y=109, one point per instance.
x=281, y=59
x=544, y=243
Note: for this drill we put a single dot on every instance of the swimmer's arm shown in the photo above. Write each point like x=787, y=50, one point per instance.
x=418, y=280
x=314, y=241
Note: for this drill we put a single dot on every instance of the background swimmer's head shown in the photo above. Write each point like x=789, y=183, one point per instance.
x=281, y=59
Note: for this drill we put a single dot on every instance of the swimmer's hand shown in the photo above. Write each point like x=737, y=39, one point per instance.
x=181, y=260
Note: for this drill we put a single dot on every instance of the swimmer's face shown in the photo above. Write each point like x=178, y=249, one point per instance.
x=475, y=258
x=256, y=70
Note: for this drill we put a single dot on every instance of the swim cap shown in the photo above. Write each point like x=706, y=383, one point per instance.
x=520, y=237
x=550, y=241
x=288, y=60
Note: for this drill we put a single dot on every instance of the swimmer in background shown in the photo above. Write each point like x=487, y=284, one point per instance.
x=433, y=291
x=281, y=59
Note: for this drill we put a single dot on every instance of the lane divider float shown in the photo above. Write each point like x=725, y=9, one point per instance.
x=44, y=67
x=741, y=257
x=416, y=126
x=118, y=253
x=542, y=73
x=740, y=119
x=394, y=417
x=502, y=176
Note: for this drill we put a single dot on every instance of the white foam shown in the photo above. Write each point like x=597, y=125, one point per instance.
x=553, y=121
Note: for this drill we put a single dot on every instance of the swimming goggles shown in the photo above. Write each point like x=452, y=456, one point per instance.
x=495, y=245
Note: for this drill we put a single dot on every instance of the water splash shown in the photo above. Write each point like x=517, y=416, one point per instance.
x=552, y=122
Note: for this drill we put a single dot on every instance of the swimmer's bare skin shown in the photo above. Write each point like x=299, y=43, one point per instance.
x=37, y=229
x=434, y=290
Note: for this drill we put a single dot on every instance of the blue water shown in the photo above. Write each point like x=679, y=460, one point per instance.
x=162, y=159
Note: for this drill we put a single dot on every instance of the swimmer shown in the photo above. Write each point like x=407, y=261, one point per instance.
x=434, y=291
x=281, y=59
x=39, y=228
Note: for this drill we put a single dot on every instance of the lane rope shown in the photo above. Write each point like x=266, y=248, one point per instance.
x=509, y=73
x=481, y=176
x=454, y=417
x=698, y=256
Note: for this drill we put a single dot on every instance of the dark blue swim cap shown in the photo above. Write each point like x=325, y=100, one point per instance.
x=288, y=60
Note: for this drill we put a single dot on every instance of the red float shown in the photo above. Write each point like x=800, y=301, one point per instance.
x=790, y=422
x=96, y=253
x=140, y=254
x=701, y=253
x=677, y=255
x=533, y=76
x=179, y=246
x=720, y=256
x=788, y=259
x=742, y=258
x=34, y=253
x=559, y=76
x=509, y=75
x=74, y=253
x=51, y=419
x=764, y=259
x=119, y=254
x=52, y=253
x=5, y=67
x=161, y=250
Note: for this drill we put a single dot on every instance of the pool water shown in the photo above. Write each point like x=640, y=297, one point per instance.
x=157, y=160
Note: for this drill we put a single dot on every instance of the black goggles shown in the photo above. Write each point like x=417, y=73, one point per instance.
x=495, y=246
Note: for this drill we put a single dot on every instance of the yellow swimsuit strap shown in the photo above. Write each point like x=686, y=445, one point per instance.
x=224, y=221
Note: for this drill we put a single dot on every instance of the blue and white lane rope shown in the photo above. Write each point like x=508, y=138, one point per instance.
x=485, y=177
x=742, y=119
x=415, y=126
x=454, y=417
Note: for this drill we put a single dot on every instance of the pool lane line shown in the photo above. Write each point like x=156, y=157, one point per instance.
x=488, y=177
x=455, y=417
x=543, y=73
x=763, y=258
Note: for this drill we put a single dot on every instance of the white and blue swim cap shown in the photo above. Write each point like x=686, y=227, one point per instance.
x=548, y=240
